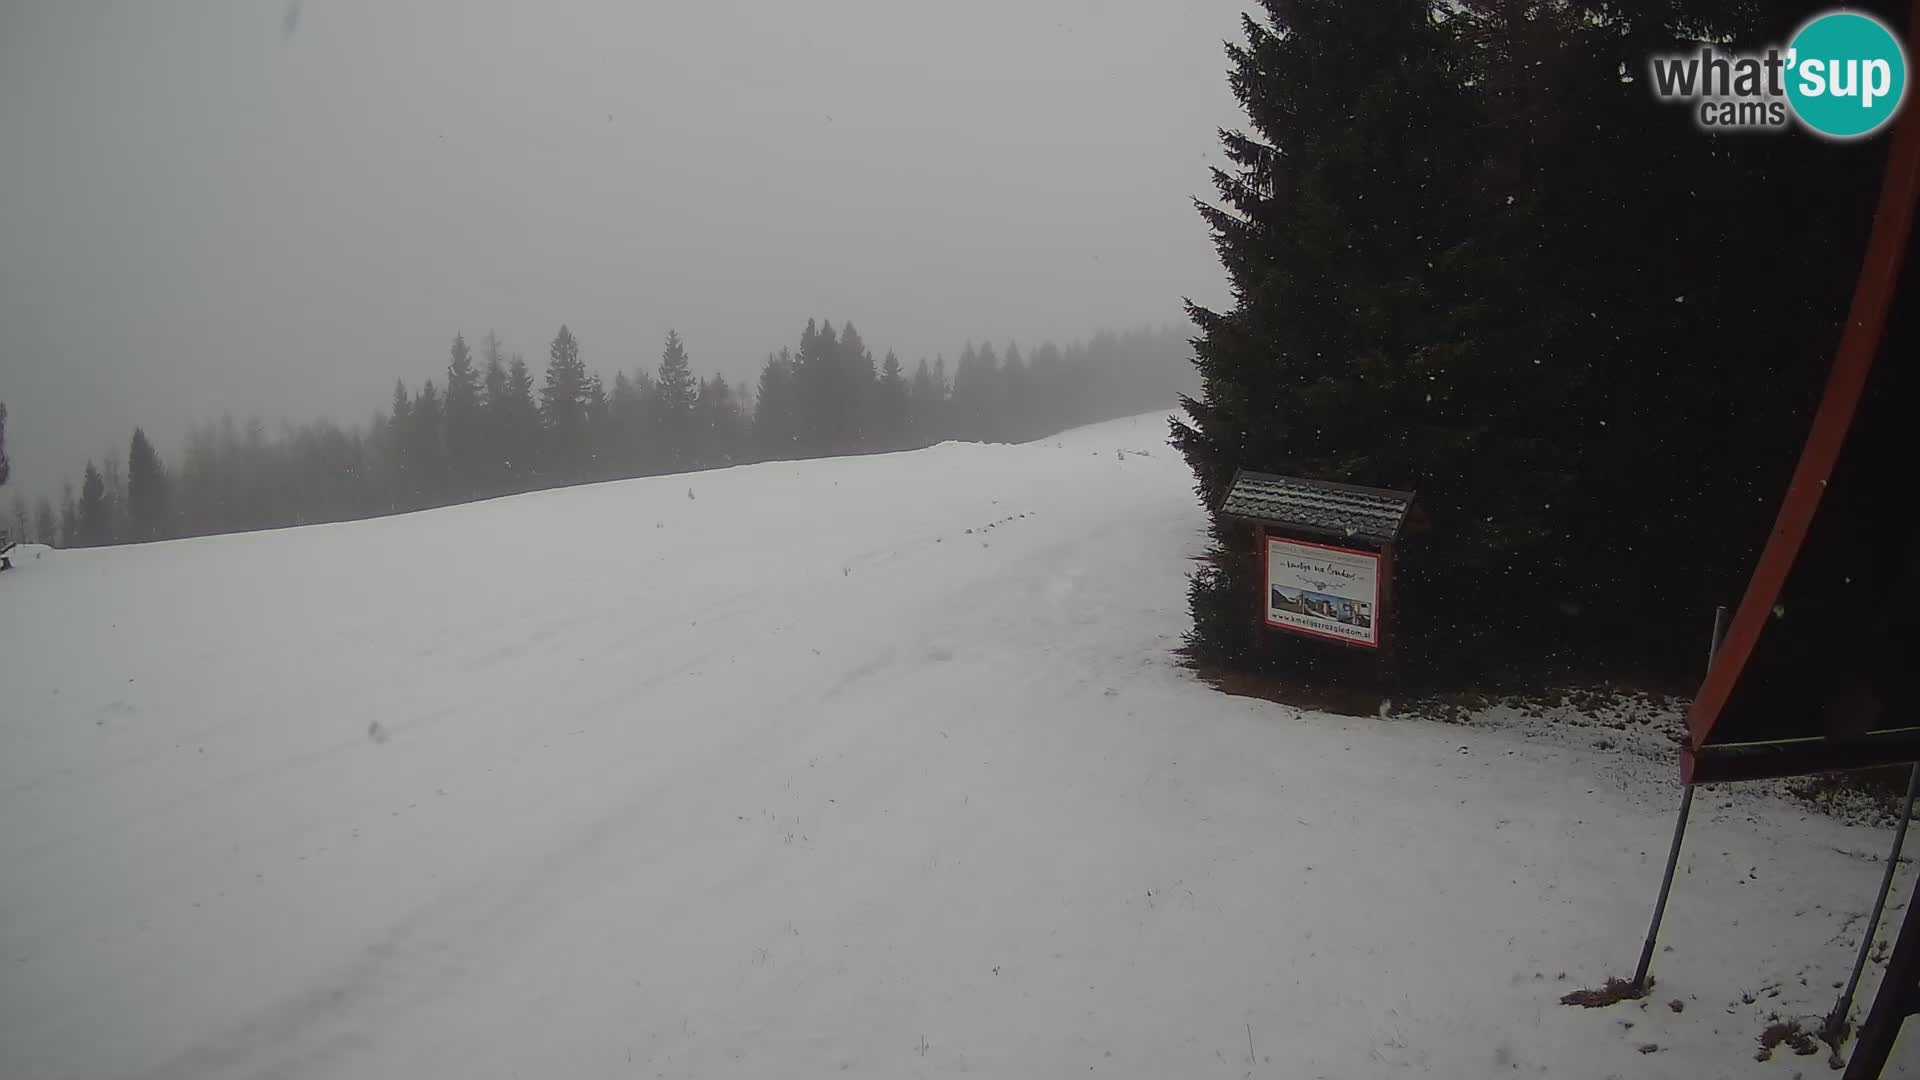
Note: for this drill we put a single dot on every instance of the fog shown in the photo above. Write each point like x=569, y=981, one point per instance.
x=260, y=208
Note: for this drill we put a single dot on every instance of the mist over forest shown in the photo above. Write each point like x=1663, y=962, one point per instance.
x=492, y=424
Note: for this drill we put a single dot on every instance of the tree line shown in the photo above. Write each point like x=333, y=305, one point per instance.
x=1473, y=257
x=488, y=426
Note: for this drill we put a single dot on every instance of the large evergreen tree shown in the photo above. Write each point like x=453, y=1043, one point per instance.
x=6, y=467
x=147, y=501
x=1340, y=223
x=1468, y=257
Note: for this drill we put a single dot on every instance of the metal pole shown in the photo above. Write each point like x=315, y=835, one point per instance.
x=1892, y=1003
x=1679, y=833
x=1666, y=886
x=1837, y=1019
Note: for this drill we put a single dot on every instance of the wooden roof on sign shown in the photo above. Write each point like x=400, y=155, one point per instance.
x=1349, y=510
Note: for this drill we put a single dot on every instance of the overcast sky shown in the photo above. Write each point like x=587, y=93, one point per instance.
x=268, y=208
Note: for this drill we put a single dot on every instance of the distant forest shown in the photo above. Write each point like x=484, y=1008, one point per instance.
x=488, y=427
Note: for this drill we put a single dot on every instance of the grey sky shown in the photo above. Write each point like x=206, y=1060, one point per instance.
x=200, y=211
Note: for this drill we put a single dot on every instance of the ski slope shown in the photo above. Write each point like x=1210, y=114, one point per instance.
x=871, y=767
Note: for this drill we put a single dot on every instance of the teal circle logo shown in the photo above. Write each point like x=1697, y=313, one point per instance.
x=1846, y=75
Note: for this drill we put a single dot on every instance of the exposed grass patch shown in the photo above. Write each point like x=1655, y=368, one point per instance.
x=1788, y=1032
x=1611, y=992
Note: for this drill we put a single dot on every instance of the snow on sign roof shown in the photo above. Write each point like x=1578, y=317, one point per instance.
x=1365, y=513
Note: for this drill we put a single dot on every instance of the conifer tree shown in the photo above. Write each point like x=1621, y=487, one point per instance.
x=675, y=393
x=1341, y=227
x=923, y=407
x=69, y=517
x=519, y=420
x=428, y=446
x=465, y=423
x=46, y=523
x=776, y=413
x=890, y=425
x=563, y=405
x=147, y=500
x=95, y=515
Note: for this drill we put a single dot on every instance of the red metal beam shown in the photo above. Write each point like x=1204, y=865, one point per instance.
x=1859, y=341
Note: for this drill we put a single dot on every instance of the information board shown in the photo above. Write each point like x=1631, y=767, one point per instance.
x=1327, y=592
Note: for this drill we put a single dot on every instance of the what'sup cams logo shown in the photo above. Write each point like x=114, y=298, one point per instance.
x=1843, y=76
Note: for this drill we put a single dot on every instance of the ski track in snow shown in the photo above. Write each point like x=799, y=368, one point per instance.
x=802, y=777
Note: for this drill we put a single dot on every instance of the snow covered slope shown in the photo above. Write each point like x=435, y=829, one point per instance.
x=875, y=766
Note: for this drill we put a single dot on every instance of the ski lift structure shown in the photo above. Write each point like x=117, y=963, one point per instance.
x=1802, y=678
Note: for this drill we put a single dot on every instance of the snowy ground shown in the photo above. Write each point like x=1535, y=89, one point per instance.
x=873, y=767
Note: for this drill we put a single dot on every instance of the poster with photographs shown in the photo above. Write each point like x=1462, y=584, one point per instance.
x=1325, y=591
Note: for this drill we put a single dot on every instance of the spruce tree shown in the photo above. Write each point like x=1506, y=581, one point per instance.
x=22, y=519
x=115, y=478
x=967, y=409
x=147, y=501
x=400, y=447
x=816, y=387
x=487, y=471
x=69, y=517
x=721, y=425
x=1047, y=387
x=600, y=454
x=776, y=416
x=465, y=422
x=493, y=380
x=563, y=405
x=923, y=407
x=890, y=414
x=673, y=417
x=1011, y=401
x=678, y=387
x=427, y=446
x=626, y=417
x=1340, y=229
x=6, y=467
x=518, y=452
x=46, y=523
x=854, y=410
x=95, y=516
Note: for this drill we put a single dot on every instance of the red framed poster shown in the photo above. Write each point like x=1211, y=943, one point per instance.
x=1323, y=591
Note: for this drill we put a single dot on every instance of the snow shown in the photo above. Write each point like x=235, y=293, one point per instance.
x=872, y=766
